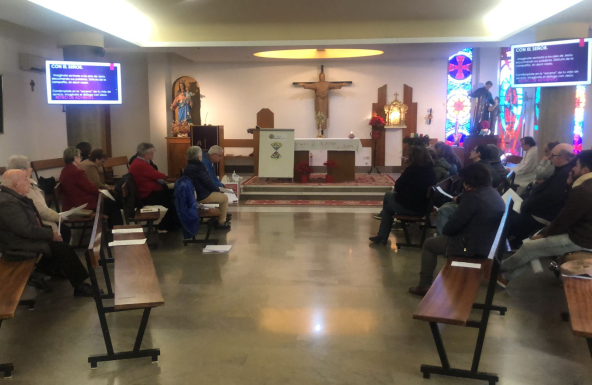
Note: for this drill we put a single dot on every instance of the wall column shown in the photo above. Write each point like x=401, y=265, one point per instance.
x=86, y=122
x=557, y=104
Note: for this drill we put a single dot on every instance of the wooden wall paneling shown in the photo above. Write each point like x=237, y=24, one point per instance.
x=241, y=143
x=378, y=110
x=411, y=118
x=176, y=155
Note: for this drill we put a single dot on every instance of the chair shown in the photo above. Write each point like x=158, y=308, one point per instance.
x=137, y=216
x=512, y=159
x=423, y=220
x=114, y=162
x=77, y=223
x=507, y=183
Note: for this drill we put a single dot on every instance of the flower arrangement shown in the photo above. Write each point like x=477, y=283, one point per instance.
x=377, y=121
x=422, y=140
x=303, y=168
x=181, y=129
x=330, y=164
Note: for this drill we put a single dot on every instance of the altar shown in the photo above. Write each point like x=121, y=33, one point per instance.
x=340, y=151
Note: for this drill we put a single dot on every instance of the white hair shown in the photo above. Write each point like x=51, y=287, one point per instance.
x=12, y=176
x=216, y=150
x=18, y=162
x=143, y=148
x=194, y=153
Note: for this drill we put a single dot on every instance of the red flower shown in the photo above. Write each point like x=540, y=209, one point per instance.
x=303, y=168
x=330, y=164
x=376, y=121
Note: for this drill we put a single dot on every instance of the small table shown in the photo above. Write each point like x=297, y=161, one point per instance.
x=341, y=151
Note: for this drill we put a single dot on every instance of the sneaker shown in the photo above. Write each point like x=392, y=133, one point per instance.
x=228, y=217
x=501, y=281
x=377, y=217
x=379, y=240
x=222, y=226
x=85, y=290
x=38, y=281
x=419, y=290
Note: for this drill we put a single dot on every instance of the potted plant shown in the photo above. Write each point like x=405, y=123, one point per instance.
x=329, y=164
x=377, y=124
x=304, y=170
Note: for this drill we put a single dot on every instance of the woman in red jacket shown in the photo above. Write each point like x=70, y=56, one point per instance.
x=76, y=187
x=151, y=186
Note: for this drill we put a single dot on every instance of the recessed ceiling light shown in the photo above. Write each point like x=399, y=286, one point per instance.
x=318, y=53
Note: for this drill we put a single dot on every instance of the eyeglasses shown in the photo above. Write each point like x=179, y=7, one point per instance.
x=552, y=155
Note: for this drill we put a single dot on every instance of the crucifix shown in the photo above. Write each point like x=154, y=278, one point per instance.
x=322, y=89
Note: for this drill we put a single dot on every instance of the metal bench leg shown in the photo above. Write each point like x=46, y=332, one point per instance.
x=28, y=302
x=206, y=239
x=6, y=368
x=589, y=341
x=106, y=272
x=502, y=309
x=152, y=233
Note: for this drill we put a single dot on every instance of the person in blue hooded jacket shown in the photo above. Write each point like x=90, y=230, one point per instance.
x=209, y=158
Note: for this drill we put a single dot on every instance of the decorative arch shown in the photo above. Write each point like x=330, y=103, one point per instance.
x=192, y=86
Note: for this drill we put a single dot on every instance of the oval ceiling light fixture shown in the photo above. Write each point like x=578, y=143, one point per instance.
x=329, y=53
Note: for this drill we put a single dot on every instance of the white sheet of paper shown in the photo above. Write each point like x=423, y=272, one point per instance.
x=208, y=205
x=171, y=186
x=226, y=190
x=466, y=264
x=128, y=242
x=576, y=276
x=59, y=224
x=66, y=214
x=127, y=231
x=443, y=193
x=232, y=198
x=515, y=198
x=541, y=220
x=107, y=194
x=217, y=248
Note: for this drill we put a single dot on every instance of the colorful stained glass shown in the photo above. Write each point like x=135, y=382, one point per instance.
x=537, y=102
x=511, y=103
x=458, y=103
x=579, y=119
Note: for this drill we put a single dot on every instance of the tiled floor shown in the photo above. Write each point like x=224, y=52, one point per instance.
x=300, y=299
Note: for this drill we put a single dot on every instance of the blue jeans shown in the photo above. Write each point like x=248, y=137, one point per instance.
x=391, y=207
x=552, y=246
x=445, y=212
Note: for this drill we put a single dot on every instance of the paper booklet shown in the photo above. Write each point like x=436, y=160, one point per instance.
x=107, y=194
x=217, y=249
x=466, y=264
x=443, y=193
x=66, y=214
x=226, y=190
x=232, y=198
x=515, y=198
x=208, y=205
x=128, y=242
x=127, y=231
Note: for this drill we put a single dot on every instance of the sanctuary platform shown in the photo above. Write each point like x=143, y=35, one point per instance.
x=364, y=189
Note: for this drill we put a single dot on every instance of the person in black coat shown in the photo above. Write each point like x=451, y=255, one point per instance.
x=482, y=154
x=205, y=189
x=471, y=230
x=410, y=195
x=496, y=162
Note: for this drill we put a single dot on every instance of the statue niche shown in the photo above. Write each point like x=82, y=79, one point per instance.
x=186, y=99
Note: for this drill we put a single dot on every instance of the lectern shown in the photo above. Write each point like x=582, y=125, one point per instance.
x=206, y=137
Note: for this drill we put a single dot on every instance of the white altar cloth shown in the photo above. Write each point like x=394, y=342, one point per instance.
x=325, y=144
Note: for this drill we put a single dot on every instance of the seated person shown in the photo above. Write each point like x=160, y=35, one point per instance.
x=570, y=231
x=545, y=168
x=496, y=162
x=545, y=201
x=445, y=151
x=482, y=154
x=85, y=149
x=22, y=236
x=209, y=158
x=441, y=166
x=48, y=216
x=134, y=158
x=76, y=187
x=526, y=169
x=410, y=195
x=471, y=230
x=93, y=167
x=205, y=189
x=151, y=186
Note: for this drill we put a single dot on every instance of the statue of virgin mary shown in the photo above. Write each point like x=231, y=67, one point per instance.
x=183, y=104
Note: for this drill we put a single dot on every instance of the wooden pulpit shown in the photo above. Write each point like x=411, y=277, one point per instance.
x=265, y=119
x=206, y=137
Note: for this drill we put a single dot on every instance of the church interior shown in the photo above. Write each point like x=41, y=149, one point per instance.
x=214, y=174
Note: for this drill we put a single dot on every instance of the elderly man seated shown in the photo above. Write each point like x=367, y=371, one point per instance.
x=570, y=231
x=48, y=216
x=205, y=189
x=22, y=235
x=545, y=201
x=209, y=158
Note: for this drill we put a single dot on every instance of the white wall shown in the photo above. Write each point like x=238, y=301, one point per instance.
x=235, y=92
x=161, y=117
x=31, y=126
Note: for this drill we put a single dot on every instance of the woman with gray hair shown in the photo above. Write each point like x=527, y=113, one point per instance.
x=48, y=216
x=76, y=187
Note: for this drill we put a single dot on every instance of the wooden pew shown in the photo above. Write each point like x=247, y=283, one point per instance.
x=114, y=162
x=507, y=183
x=138, y=216
x=46, y=164
x=13, y=279
x=579, y=301
x=136, y=287
x=82, y=223
x=210, y=214
x=451, y=299
x=424, y=220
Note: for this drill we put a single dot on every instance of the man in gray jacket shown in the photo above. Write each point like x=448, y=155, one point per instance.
x=471, y=230
x=23, y=236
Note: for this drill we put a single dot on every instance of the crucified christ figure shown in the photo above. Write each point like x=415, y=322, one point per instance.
x=322, y=89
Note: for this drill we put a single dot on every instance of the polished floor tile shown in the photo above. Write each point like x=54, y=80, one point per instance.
x=300, y=299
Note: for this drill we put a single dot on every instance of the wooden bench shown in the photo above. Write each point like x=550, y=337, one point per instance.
x=46, y=164
x=136, y=287
x=114, y=162
x=82, y=223
x=507, y=183
x=210, y=214
x=140, y=217
x=579, y=301
x=13, y=279
x=451, y=299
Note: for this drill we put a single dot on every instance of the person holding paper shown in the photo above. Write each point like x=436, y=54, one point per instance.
x=570, y=231
x=471, y=230
x=205, y=189
x=151, y=186
x=93, y=167
x=545, y=201
x=23, y=236
x=48, y=216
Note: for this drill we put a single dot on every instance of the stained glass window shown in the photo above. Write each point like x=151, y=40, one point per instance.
x=537, y=102
x=579, y=119
x=458, y=103
x=511, y=103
